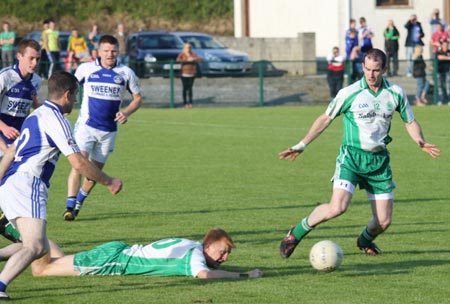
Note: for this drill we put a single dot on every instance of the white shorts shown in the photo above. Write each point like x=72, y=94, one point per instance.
x=98, y=144
x=24, y=195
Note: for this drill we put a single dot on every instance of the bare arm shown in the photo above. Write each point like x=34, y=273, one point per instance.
x=87, y=169
x=122, y=117
x=319, y=125
x=7, y=158
x=415, y=132
x=222, y=274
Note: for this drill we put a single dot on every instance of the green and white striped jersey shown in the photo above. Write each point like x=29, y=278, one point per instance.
x=368, y=115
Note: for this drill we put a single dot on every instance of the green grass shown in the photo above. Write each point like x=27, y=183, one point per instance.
x=185, y=172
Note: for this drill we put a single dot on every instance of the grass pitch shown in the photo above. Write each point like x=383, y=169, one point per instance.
x=185, y=172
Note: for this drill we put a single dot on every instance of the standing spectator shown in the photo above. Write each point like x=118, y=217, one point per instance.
x=435, y=20
x=443, y=57
x=7, y=38
x=437, y=38
x=367, y=107
x=18, y=89
x=105, y=83
x=43, y=62
x=93, y=37
x=122, y=38
x=46, y=133
x=413, y=38
x=351, y=38
x=391, y=36
x=365, y=35
x=419, y=72
x=52, y=46
x=188, y=61
x=335, y=74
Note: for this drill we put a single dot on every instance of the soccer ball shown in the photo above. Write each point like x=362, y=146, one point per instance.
x=326, y=256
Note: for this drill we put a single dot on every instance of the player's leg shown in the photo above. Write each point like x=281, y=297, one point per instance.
x=340, y=200
x=54, y=263
x=382, y=206
x=73, y=186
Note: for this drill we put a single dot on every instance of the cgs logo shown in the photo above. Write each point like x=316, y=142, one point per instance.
x=363, y=106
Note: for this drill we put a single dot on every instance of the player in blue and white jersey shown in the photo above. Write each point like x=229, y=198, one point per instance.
x=105, y=84
x=45, y=134
x=167, y=257
x=367, y=107
x=18, y=89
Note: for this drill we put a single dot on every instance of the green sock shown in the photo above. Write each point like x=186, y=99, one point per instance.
x=365, y=238
x=11, y=233
x=302, y=229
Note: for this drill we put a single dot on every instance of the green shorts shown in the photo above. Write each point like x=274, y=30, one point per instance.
x=371, y=171
x=102, y=260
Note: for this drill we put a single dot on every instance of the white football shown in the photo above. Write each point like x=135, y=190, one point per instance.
x=326, y=256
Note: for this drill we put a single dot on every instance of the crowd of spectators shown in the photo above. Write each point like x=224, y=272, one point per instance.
x=358, y=40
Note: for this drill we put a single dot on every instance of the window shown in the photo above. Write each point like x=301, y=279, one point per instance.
x=392, y=2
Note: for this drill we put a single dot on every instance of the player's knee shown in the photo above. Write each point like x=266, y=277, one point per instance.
x=384, y=223
x=337, y=210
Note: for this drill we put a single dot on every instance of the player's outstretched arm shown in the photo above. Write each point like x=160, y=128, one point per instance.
x=222, y=274
x=89, y=170
x=319, y=125
x=415, y=131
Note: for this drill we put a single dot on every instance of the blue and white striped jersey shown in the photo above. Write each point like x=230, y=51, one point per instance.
x=44, y=135
x=16, y=97
x=103, y=92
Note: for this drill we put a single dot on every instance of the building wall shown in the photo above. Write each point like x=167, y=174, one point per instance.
x=328, y=19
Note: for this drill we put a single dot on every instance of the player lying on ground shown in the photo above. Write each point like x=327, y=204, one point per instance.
x=167, y=257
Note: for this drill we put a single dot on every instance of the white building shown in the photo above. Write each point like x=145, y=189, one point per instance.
x=329, y=19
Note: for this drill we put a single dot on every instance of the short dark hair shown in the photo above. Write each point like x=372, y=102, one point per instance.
x=60, y=82
x=376, y=55
x=24, y=43
x=108, y=39
x=215, y=235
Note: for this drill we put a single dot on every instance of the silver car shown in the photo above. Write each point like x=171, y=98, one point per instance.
x=217, y=58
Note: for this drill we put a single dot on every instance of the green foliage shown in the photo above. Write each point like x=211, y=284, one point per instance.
x=186, y=171
x=193, y=10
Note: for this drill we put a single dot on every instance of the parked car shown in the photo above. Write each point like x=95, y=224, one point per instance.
x=153, y=53
x=268, y=69
x=217, y=58
x=63, y=40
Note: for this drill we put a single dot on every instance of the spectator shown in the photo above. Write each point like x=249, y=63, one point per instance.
x=93, y=37
x=413, y=38
x=365, y=35
x=188, y=61
x=435, y=20
x=335, y=75
x=351, y=38
x=122, y=37
x=7, y=38
x=437, y=38
x=443, y=57
x=419, y=72
x=391, y=36
x=43, y=62
x=77, y=50
x=52, y=47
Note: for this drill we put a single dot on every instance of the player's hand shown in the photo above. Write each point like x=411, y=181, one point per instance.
x=289, y=154
x=11, y=133
x=121, y=117
x=115, y=186
x=430, y=149
x=255, y=273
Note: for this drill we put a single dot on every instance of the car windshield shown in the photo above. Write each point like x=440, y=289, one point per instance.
x=203, y=42
x=148, y=42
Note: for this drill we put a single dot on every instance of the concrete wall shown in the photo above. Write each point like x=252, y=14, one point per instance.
x=328, y=19
x=300, y=48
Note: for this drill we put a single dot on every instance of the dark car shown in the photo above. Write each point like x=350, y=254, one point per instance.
x=153, y=53
x=217, y=58
x=268, y=69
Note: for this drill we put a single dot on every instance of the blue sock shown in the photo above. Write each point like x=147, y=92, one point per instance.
x=3, y=286
x=81, y=196
x=70, y=202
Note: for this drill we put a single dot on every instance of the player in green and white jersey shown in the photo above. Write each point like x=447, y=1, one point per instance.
x=167, y=257
x=367, y=107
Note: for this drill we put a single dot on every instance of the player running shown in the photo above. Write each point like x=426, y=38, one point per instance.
x=368, y=106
